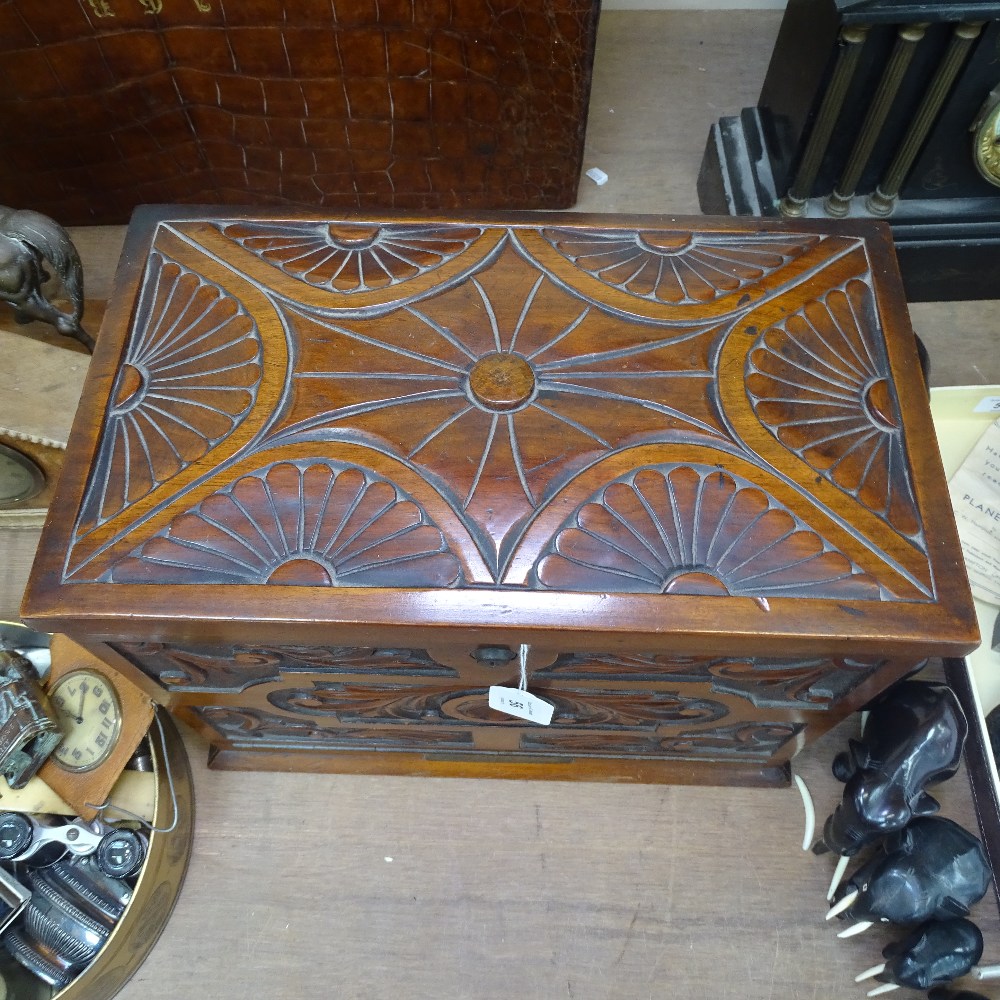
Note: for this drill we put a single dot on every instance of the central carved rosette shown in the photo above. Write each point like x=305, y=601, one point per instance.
x=502, y=382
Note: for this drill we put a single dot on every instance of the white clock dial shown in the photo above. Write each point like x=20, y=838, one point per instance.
x=90, y=717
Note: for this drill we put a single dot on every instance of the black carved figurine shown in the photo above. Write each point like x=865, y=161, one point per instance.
x=27, y=240
x=914, y=738
x=932, y=870
x=942, y=993
x=935, y=953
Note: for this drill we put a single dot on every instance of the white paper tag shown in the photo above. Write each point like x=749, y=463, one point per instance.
x=988, y=404
x=975, y=495
x=522, y=704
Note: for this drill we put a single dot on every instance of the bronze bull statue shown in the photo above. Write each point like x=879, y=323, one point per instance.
x=27, y=241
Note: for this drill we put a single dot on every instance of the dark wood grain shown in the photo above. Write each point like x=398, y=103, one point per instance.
x=323, y=462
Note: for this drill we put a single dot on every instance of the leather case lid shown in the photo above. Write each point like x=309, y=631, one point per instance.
x=339, y=104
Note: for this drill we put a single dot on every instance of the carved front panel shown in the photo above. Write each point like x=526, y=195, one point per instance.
x=587, y=722
x=656, y=706
x=552, y=408
x=815, y=684
x=251, y=728
x=235, y=668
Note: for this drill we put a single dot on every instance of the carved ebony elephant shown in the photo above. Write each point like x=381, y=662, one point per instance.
x=936, y=953
x=914, y=738
x=934, y=869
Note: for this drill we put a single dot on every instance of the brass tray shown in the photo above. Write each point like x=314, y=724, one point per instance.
x=156, y=888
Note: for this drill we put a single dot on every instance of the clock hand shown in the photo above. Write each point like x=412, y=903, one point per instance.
x=83, y=695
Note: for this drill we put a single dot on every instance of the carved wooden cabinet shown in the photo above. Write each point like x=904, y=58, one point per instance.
x=328, y=476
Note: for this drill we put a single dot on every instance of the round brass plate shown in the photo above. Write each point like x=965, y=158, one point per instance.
x=158, y=884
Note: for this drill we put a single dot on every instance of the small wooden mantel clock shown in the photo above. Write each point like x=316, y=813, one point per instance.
x=103, y=717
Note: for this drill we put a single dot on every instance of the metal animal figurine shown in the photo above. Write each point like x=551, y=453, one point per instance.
x=27, y=240
x=932, y=870
x=936, y=953
x=914, y=738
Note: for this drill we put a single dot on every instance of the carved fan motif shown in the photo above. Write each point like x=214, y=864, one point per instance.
x=678, y=267
x=352, y=257
x=190, y=375
x=695, y=530
x=820, y=382
x=304, y=524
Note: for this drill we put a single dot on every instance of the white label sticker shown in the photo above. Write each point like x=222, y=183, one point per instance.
x=975, y=495
x=988, y=404
x=522, y=704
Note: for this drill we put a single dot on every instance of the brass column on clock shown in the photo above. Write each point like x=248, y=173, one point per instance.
x=877, y=109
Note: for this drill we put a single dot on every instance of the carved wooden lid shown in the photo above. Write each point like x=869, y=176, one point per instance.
x=650, y=427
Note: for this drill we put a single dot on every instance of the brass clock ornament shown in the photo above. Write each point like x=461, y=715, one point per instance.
x=986, y=140
x=103, y=717
x=28, y=473
x=21, y=478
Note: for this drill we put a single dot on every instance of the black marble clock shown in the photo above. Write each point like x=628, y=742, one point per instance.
x=878, y=109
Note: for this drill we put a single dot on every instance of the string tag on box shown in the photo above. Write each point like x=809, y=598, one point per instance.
x=519, y=701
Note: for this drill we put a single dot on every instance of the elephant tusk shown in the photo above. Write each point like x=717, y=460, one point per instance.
x=858, y=928
x=885, y=988
x=838, y=874
x=807, y=804
x=842, y=905
x=870, y=973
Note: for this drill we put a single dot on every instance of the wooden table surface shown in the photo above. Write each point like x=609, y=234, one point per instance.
x=377, y=887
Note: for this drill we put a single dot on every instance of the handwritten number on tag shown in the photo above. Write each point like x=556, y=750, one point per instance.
x=521, y=704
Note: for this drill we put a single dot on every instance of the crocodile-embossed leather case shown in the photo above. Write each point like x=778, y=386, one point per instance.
x=108, y=104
